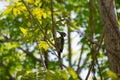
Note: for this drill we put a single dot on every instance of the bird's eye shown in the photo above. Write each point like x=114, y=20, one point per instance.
x=64, y=34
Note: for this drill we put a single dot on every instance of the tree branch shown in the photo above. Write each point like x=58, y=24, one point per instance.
x=53, y=22
x=69, y=48
x=80, y=57
x=95, y=56
x=29, y=54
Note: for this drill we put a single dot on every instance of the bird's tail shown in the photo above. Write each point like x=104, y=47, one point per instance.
x=60, y=60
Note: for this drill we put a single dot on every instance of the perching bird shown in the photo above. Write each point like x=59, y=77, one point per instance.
x=60, y=45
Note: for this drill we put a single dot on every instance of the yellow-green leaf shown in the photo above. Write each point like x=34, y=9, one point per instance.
x=112, y=75
x=19, y=3
x=64, y=75
x=11, y=45
x=44, y=45
x=30, y=1
x=73, y=73
x=7, y=11
x=38, y=3
x=6, y=0
x=44, y=15
x=16, y=11
x=48, y=12
x=24, y=31
x=119, y=22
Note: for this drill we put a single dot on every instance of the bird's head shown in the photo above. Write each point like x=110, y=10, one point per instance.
x=63, y=34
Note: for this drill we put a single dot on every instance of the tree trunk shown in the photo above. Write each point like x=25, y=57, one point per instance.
x=111, y=33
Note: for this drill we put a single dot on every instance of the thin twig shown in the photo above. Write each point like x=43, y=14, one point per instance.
x=80, y=57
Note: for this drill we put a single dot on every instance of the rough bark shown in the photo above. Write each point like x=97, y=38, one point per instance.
x=111, y=33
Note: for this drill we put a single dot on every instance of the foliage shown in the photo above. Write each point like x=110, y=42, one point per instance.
x=43, y=75
x=27, y=50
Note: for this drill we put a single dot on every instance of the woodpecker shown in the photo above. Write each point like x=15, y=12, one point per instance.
x=60, y=45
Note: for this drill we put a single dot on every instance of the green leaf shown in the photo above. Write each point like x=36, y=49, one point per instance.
x=112, y=75
x=11, y=45
x=7, y=11
x=72, y=73
x=44, y=45
x=24, y=31
x=16, y=11
x=30, y=1
x=44, y=15
x=50, y=75
x=64, y=75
